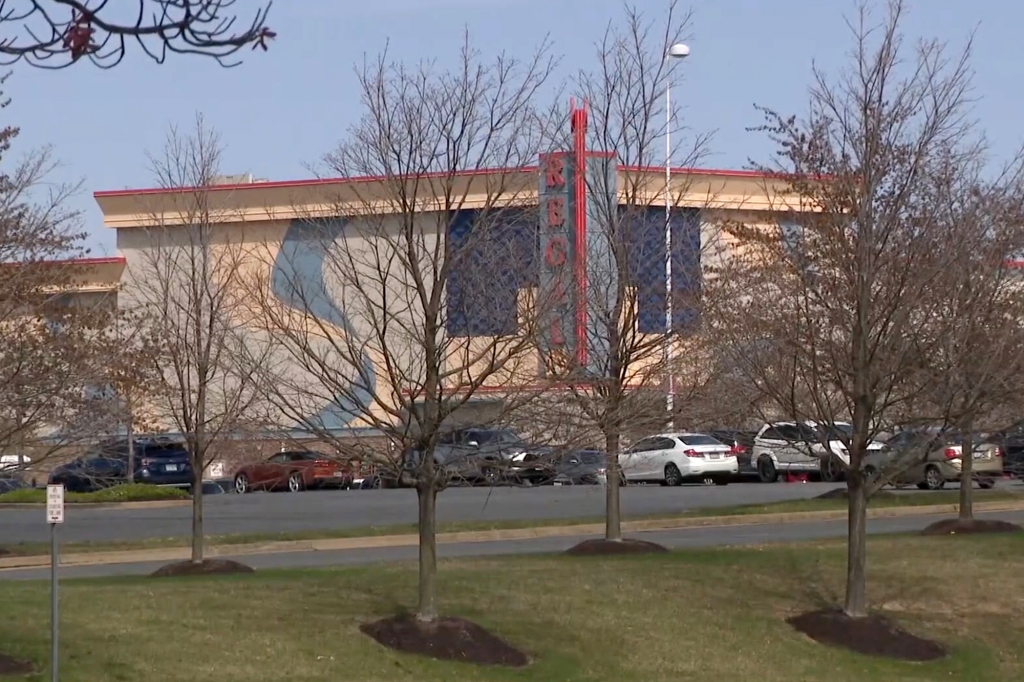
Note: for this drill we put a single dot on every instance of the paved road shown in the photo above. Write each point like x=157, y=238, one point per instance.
x=325, y=510
x=689, y=537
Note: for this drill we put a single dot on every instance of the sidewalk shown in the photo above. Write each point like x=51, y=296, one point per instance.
x=410, y=540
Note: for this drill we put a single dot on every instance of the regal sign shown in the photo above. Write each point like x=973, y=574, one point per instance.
x=558, y=255
x=578, y=199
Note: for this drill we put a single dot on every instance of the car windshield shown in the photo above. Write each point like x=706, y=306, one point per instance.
x=840, y=432
x=495, y=436
x=154, y=451
x=699, y=439
x=590, y=457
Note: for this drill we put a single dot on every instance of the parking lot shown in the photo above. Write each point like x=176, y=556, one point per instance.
x=262, y=513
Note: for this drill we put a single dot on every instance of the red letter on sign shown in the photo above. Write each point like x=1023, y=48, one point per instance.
x=558, y=294
x=557, y=337
x=557, y=252
x=555, y=171
x=556, y=212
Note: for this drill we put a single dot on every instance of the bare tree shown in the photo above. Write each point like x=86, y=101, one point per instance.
x=404, y=301
x=185, y=282
x=830, y=291
x=55, y=34
x=978, y=349
x=615, y=370
x=125, y=381
x=44, y=341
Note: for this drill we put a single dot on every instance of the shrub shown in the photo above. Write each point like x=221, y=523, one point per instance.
x=129, y=492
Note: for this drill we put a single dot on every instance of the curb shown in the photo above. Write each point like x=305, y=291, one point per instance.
x=411, y=539
x=149, y=504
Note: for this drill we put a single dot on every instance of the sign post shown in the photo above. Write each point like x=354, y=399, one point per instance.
x=54, y=516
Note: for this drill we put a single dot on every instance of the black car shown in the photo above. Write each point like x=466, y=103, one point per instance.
x=1011, y=442
x=582, y=467
x=9, y=483
x=742, y=445
x=157, y=461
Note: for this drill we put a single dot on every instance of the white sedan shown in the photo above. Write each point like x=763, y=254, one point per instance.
x=14, y=461
x=672, y=458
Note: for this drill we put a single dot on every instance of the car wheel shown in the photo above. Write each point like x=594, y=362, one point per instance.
x=241, y=484
x=831, y=469
x=672, y=475
x=491, y=476
x=870, y=474
x=766, y=470
x=295, y=483
x=986, y=483
x=933, y=479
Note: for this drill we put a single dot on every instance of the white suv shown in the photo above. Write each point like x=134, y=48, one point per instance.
x=803, y=447
x=671, y=458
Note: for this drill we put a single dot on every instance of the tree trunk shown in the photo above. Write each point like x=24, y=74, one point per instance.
x=856, y=604
x=131, y=450
x=426, y=494
x=197, y=512
x=967, y=475
x=612, y=507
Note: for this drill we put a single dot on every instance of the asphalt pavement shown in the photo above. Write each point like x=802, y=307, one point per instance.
x=336, y=509
x=677, y=539
x=332, y=509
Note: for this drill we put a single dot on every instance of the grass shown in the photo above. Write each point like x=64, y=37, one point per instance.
x=694, y=615
x=791, y=506
x=129, y=492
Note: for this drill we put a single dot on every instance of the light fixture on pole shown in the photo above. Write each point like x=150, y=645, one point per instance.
x=677, y=51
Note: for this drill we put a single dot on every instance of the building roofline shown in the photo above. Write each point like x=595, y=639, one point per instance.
x=99, y=260
x=314, y=182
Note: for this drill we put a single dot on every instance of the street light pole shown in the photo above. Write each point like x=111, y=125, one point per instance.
x=677, y=51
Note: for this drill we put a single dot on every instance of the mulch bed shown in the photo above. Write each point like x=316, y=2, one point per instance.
x=449, y=639
x=872, y=636
x=206, y=567
x=958, y=527
x=14, y=666
x=4, y=552
x=602, y=547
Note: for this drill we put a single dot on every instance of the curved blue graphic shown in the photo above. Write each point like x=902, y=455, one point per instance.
x=298, y=280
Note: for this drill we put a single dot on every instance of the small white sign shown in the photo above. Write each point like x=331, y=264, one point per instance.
x=217, y=470
x=55, y=504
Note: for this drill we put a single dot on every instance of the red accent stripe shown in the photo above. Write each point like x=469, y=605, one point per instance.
x=579, y=124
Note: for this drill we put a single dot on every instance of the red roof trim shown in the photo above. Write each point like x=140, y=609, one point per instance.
x=314, y=182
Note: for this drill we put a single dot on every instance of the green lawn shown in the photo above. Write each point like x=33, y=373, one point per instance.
x=811, y=505
x=696, y=615
x=129, y=492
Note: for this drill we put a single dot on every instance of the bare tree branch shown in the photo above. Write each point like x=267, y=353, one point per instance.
x=54, y=34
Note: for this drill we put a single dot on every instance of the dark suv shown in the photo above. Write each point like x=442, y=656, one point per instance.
x=157, y=461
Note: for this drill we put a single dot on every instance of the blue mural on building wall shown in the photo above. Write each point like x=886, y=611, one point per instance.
x=494, y=271
x=485, y=281
x=298, y=280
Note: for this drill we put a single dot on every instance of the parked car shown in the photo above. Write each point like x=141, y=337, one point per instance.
x=14, y=462
x=9, y=483
x=672, y=458
x=741, y=443
x=157, y=461
x=1011, y=442
x=293, y=471
x=477, y=455
x=929, y=458
x=804, y=447
x=582, y=467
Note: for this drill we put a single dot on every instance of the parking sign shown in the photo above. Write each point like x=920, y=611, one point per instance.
x=55, y=504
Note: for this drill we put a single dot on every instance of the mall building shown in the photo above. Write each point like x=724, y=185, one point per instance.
x=484, y=297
